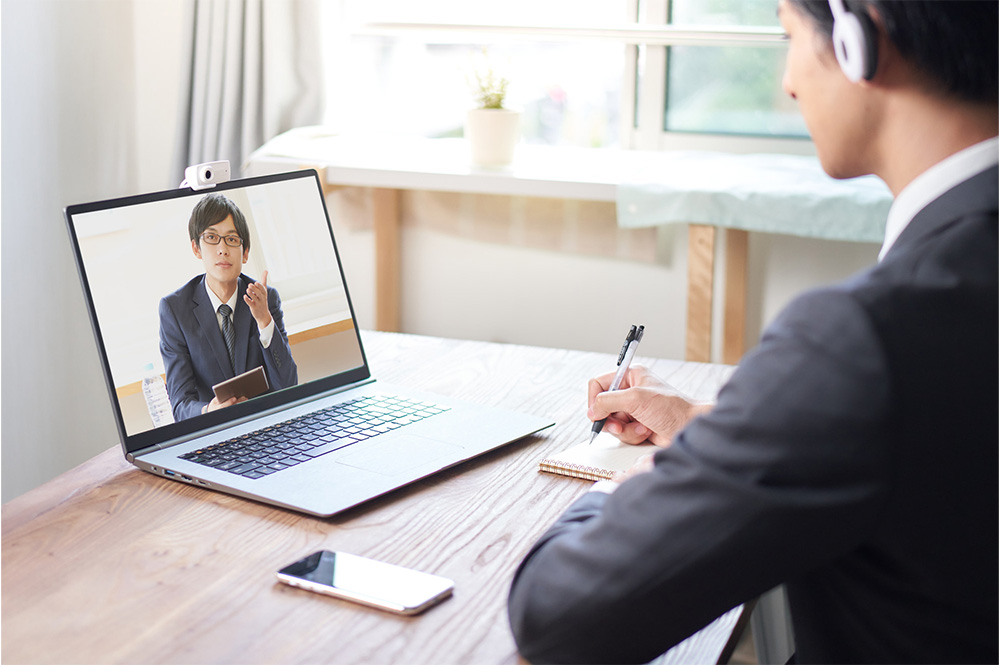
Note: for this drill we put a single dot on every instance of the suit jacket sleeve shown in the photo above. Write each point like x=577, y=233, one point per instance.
x=785, y=472
x=281, y=369
x=182, y=387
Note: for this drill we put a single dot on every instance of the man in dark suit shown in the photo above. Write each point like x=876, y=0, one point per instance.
x=852, y=456
x=222, y=323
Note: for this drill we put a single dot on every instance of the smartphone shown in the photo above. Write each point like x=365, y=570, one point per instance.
x=366, y=581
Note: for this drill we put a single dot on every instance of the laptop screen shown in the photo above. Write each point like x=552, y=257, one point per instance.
x=155, y=269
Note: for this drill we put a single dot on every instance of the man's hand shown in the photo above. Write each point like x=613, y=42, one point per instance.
x=215, y=404
x=643, y=409
x=256, y=298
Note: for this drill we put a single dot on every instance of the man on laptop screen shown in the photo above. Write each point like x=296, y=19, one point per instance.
x=285, y=225
x=222, y=323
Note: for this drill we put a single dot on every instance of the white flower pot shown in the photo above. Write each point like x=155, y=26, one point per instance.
x=492, y=135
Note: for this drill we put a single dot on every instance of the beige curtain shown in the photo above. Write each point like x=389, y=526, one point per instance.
x=254, y=71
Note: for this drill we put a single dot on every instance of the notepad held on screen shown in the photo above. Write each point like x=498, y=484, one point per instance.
x=249, y=384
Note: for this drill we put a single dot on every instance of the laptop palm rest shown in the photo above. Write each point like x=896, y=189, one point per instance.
x=400, y=454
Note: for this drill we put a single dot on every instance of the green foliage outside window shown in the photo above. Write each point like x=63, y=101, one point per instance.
x=728, y=90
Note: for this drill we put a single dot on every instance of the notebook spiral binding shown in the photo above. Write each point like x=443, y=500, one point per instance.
x=574, y=470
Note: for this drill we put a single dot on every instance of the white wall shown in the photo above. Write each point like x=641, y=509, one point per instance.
x=88, y=112
x=89, y=103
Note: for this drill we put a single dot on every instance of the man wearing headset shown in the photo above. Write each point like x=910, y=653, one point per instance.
x=852, y=457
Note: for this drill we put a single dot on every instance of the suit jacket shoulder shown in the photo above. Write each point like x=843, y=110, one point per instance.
x=186, y=291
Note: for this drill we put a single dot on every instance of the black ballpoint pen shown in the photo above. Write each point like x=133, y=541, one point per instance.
x=624, y=360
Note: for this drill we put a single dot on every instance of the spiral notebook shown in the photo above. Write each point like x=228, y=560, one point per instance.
x=599, y=460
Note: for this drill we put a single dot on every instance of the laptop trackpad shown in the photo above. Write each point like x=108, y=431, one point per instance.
x=399, y=454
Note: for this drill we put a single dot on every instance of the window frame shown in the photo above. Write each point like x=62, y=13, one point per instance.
x=644, y=86
x=643, y=122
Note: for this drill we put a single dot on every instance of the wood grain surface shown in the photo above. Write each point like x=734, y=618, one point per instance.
x=701, y=285
x=108, y=564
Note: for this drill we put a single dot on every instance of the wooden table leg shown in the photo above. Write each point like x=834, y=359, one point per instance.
x=735, y=306
x=385, y=210
x=701, y=273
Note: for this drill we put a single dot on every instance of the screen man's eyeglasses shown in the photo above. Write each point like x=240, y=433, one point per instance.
x=214, y=239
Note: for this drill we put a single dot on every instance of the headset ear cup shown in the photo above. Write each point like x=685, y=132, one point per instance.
x=849, y=46
x=870, y=35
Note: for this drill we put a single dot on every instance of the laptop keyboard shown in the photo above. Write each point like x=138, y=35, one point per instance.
x=292, y=442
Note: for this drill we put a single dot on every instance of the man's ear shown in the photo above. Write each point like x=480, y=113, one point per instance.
x=196, y=248
x=246, y=255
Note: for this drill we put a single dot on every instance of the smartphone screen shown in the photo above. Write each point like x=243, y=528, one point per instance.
x=367, y=581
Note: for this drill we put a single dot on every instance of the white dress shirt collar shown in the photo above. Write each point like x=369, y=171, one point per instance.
x=216, y=301
x=934, y=182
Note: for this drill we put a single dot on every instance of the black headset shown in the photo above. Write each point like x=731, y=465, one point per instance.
x=854, y=42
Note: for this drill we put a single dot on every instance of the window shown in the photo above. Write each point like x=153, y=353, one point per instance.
x=647, y=74
x=396, y=66
x=728, y=89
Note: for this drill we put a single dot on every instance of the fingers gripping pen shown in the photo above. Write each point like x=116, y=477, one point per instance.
x=624, y=360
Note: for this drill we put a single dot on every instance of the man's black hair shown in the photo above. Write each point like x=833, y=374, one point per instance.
x=953, y=42
x=213, y=209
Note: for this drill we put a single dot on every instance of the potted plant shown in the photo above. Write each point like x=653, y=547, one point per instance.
x=491, y=129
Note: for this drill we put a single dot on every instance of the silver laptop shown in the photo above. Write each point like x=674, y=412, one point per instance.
x=316, y=433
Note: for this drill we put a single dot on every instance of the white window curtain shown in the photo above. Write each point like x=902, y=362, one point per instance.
x=254, y=70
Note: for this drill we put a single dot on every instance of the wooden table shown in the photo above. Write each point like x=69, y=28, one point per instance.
x=108, y=564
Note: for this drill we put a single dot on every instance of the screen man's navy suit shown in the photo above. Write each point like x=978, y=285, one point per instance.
x=852, y=457
x=194, y=350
